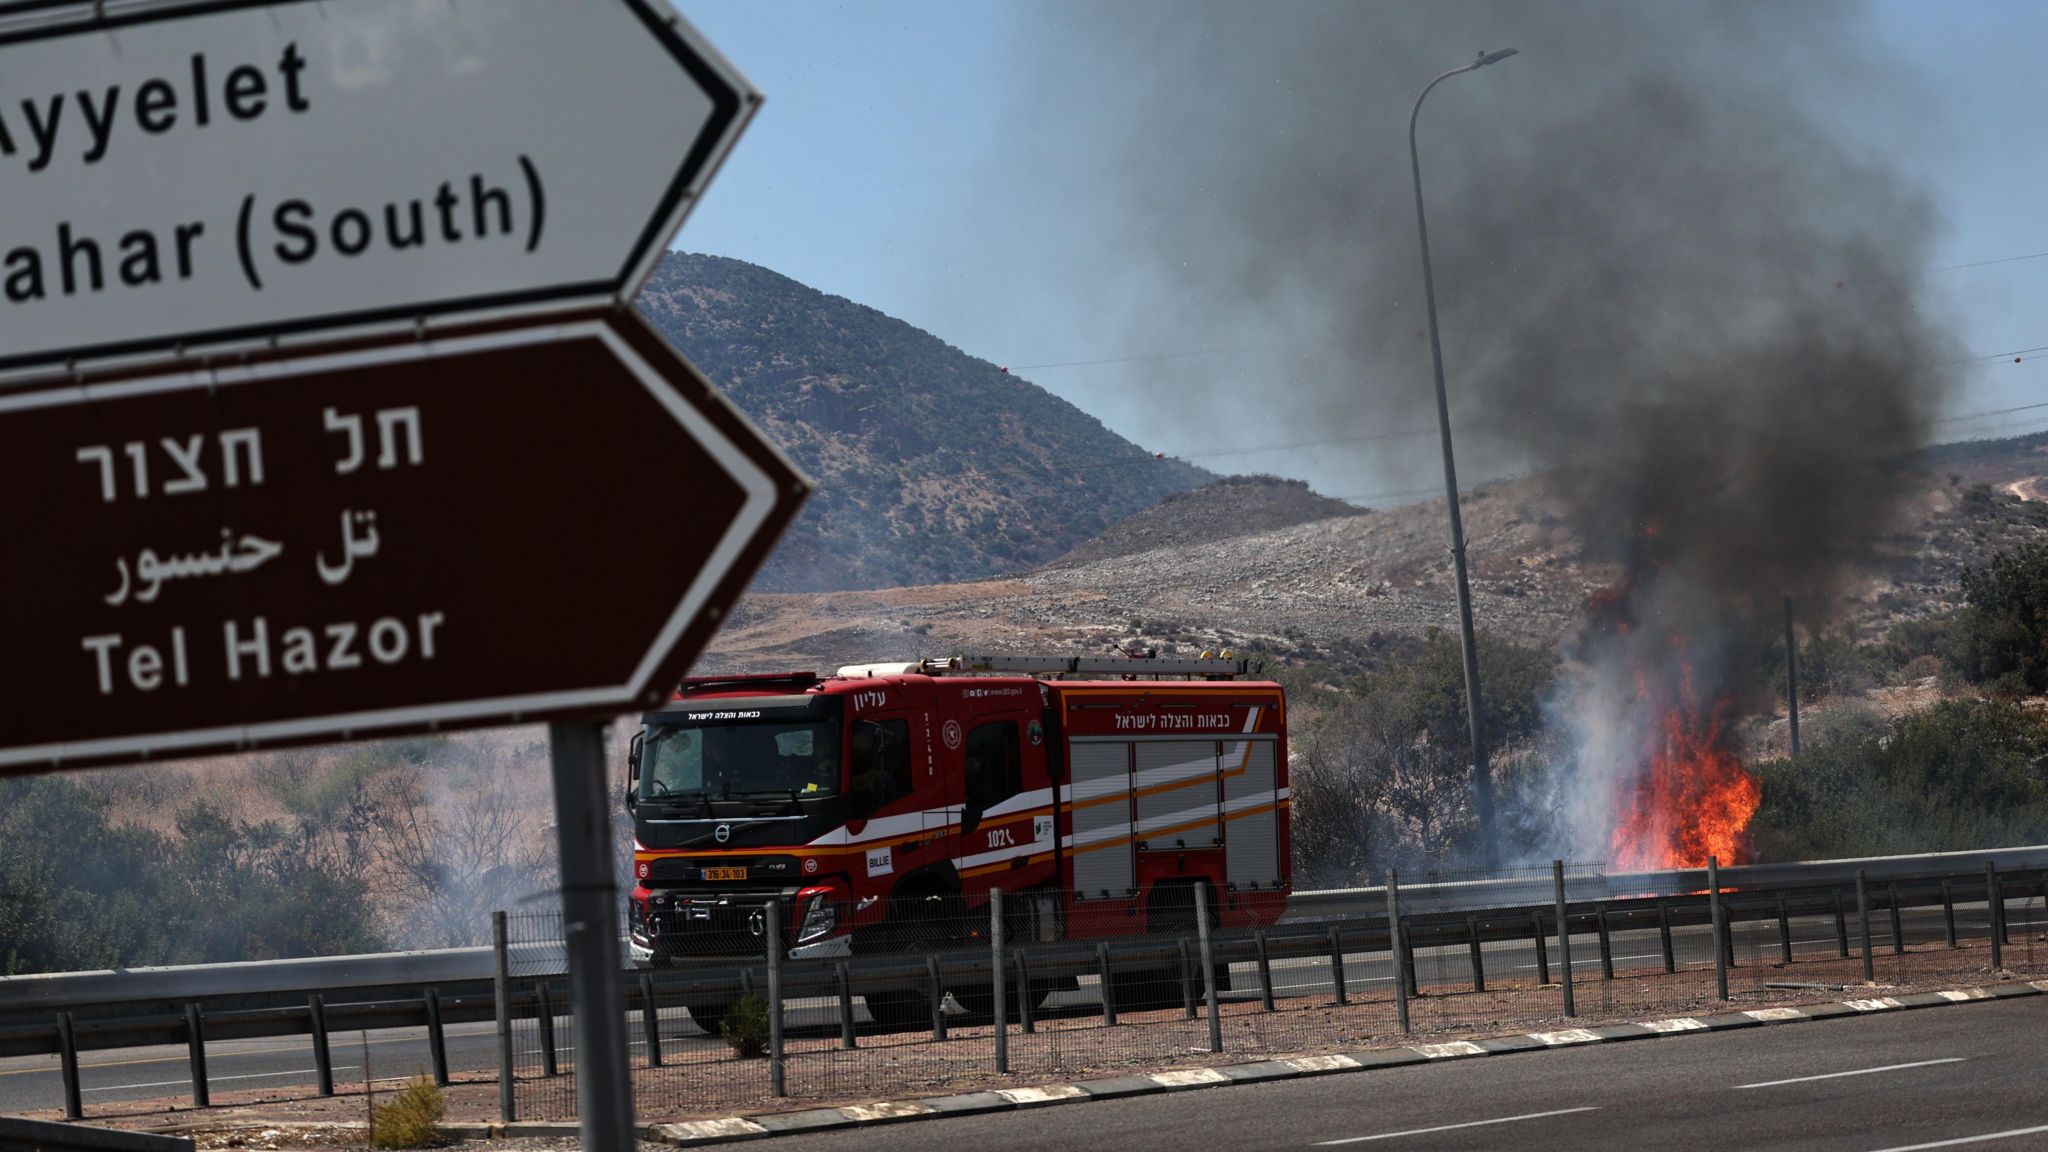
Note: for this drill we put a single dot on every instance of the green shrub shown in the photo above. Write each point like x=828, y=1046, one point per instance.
x=411, y=1119
x=1965, y=774
x=745, y=1028
x=2001, y=637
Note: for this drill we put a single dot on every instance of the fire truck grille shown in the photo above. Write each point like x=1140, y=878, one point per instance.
x=730, y=924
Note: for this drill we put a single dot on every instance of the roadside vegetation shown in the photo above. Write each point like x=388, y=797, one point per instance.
x=300, y=853
x=1381, y=768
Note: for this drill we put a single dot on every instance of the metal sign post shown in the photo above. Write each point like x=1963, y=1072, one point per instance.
x=590, y=922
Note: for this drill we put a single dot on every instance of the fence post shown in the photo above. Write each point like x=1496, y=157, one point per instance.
x=771, y=931
x=1265, y=971
x=1664, y=936
x=195, y=1048
x=1394, y=952
x=1721, y=934
x=1187, y=980
x=999, y=971
x=1948, y=913
x=67, y=1054
x=501, y=982
x=437, y=1038
x=1337, y=964
x=844, y=977
x=1564, y=937
x=1784, y=931
x=502, y=991
x=1542, y=949
x=1208, y=967
x=1408, y=961
x=1891, y=896
x=1606, y=945
x=1478, y=958
x=650, y=1019
x=2033, y=924
x=1108, y=985
x=1863, y=925
x=544, y=1015
x=1025, y=997
x=936, y=993
x=1841, y=927
x=323, y=1059
x=1994, y=907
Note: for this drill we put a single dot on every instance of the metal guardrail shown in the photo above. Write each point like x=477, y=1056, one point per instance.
x=67, y=1013
x=45, y=1136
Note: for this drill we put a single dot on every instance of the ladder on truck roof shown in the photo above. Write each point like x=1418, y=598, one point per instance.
x=1206, y=667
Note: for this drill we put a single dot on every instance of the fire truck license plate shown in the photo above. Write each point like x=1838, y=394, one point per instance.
x=725, y=873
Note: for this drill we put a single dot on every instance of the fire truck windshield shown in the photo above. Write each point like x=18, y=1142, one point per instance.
x=715, y=760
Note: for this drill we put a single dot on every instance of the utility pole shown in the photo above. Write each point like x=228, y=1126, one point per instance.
x=1792, y=676
x=1482, y=776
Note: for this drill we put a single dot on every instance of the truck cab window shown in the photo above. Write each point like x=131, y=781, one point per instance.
x=880, y=767
x=995, y=770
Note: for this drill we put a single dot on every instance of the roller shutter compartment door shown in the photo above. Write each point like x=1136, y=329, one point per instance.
x=1100, y=804
x=1176, y=790
x=1251, y=818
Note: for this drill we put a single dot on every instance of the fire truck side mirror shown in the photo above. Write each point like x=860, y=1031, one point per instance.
x=633, y=769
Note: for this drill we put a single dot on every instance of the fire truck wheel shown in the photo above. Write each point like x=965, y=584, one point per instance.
x=1148, y=990
x=710, y=1016
x=980, y=999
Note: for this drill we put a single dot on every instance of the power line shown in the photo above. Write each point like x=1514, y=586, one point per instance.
x=1993, y=412
x=2014, y=354
x=2000, y=260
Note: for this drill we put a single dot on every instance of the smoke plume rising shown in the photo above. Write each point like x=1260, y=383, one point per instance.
x=1677, y=278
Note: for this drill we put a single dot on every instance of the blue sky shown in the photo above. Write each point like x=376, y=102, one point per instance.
x=883, y=168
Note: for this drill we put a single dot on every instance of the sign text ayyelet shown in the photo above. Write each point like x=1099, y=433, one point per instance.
x=246, y=171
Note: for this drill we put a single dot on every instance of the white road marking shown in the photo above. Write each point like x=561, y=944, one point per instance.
x=1467, y=1124
x=184, y=1081
x=1584, y=961
x=2005, y=1135
x=1857, y=1072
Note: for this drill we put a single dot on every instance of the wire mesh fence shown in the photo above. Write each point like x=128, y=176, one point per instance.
x=963, y=988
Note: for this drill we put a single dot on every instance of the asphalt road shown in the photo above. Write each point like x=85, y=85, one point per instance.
x=34, y=1082
x=1966, y=1076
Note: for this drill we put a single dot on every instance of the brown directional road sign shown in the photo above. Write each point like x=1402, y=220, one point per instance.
x=498, y=526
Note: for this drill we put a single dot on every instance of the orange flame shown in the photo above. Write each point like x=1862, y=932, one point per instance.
x=1693, y=800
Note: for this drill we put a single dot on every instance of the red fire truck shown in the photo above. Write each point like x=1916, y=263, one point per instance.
x=879, y=806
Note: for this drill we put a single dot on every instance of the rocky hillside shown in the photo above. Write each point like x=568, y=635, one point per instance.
x=932, y=465
x=1346, y=590
x=1232, y=506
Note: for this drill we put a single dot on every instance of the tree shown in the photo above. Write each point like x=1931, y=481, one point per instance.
x=2001, y=636
x=1385, y=778
x=459, y=842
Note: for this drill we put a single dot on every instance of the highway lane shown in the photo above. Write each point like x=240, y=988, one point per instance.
x=282, y=1063
x=1965, y=1076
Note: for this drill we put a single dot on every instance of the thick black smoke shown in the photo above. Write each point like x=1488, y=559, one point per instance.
x=1676, y=276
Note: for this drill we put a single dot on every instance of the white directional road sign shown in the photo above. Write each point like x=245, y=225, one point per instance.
x=180, y=173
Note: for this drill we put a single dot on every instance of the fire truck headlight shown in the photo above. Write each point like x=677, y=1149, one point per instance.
x=821, y=917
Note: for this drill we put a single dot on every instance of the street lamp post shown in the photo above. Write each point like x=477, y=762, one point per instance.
x=1482, y=777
